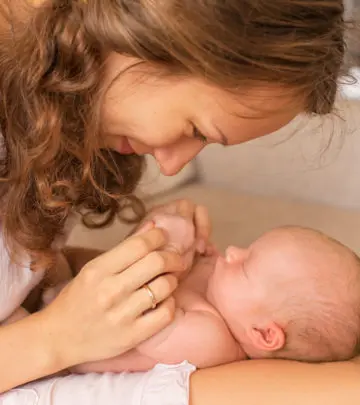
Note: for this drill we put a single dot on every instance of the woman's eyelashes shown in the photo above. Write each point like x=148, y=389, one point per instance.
x=198, y=135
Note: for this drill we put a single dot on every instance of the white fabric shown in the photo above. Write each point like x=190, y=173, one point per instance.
x=16, y=282
x=164, y=385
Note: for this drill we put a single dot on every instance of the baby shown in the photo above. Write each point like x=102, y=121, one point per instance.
x=293, y=294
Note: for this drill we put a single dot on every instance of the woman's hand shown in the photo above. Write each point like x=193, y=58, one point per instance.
x=198, y=214
x=104, y=311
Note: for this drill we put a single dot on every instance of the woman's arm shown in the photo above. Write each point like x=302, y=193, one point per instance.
x=26, y=352
x=17, y=315
x=277, y=382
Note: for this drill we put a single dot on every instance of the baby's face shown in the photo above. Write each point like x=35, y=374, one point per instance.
x=248, y=286
x=242, y=282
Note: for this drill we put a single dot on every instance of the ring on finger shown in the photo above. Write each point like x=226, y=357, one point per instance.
x=151, y=295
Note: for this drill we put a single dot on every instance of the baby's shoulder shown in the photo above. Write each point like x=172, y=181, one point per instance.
x=190, y=300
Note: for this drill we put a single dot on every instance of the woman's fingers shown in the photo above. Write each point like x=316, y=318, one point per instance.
x=146, y=226
x=202, y=222
x=128, y=252
x=202, y=228
x=185, y=208
x=119, y=287
x=150, y=267
x=154, y=321
x=182, y=207
x=153, y=293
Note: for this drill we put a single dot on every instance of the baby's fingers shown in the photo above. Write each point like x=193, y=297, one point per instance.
x=185, y=208
x=202, y=227
x=128, y=252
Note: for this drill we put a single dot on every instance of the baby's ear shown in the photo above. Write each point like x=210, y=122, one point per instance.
x=268, y=338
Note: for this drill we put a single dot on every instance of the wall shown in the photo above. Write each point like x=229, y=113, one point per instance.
x=313, y=160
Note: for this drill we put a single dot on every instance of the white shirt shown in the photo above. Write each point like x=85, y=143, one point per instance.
x=17, y=281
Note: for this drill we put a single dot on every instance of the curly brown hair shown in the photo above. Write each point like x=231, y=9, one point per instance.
x=51, y=86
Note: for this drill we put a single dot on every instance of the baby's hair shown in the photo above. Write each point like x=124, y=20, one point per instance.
x=52, y=86
x=327, y=328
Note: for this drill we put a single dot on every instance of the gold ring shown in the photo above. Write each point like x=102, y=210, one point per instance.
x=151, y=295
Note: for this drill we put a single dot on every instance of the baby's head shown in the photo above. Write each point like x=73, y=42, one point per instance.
x=294, y=293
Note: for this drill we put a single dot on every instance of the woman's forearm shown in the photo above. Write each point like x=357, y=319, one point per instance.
x=26, y=352
x=17, y=315
x=277, y=382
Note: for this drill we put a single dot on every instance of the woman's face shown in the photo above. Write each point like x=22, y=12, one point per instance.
x=173, y=119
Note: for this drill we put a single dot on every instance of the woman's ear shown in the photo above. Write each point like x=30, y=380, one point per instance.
x=268, y=338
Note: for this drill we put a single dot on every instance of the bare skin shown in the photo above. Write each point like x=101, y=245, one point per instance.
x=235, y=307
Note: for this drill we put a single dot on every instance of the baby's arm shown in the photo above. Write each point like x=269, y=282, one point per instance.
x=198, y=334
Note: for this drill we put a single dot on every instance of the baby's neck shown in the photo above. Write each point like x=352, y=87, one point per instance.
x=198, y=278
x=198, y=281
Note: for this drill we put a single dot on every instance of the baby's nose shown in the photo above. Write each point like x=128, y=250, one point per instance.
x=234, y=254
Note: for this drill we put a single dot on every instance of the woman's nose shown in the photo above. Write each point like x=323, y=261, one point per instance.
x=172, y=159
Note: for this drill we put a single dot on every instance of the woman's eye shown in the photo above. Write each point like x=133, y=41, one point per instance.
x=198, y=135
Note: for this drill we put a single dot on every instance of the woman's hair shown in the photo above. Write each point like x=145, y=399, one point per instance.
x=51, y=87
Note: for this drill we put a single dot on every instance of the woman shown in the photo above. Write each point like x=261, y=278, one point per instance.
x=88, y=88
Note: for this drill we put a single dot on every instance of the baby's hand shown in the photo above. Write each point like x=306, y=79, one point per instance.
x=180, y=230
x=181, y=236
x=197, y=214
